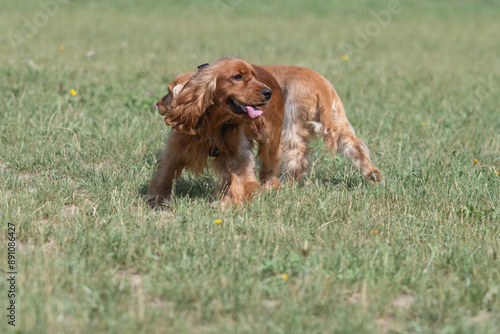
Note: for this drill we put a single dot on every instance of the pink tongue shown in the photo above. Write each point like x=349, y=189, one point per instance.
x=253, y=113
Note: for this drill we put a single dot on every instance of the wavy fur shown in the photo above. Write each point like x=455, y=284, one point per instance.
x=206, y=122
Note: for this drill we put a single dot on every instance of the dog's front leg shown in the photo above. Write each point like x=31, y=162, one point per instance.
x=270, y=155
x=169, y=168
x=237, y=173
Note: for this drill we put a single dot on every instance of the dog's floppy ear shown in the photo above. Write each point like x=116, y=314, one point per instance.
x=166, y=102
x=192, y=101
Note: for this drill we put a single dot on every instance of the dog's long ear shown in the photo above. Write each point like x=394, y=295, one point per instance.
x=166, y=102
x=192, y=101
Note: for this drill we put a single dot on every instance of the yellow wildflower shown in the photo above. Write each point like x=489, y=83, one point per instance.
x=61, y=48
x=475, y=161
x=217, y=221
x=345, y=58
x=285, y=277
x=73, y=92
x=424, y=123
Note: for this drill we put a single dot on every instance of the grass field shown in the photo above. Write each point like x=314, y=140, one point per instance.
x=419, y=253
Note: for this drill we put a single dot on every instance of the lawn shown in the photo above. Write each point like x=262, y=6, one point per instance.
x=79, y=139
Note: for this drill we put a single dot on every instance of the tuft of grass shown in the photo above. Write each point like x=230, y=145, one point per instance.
x=418, y=253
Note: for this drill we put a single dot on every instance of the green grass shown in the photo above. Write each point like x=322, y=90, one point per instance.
x=418, y=254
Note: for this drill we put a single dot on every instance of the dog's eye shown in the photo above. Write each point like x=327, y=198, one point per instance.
x=238, y=77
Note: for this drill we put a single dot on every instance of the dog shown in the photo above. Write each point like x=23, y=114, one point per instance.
x=218, y=112
x=312, y=108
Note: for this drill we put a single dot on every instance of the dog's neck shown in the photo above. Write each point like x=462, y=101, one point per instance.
x=214, y=151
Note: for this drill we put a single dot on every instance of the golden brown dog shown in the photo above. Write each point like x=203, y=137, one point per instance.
x=312, y=108
x=218, y=112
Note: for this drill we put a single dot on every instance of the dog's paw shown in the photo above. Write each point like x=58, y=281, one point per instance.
x=158, y=202
x=272, y=183
x=374, y=176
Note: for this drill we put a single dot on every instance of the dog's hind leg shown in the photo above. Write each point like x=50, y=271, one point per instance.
x=339, y=137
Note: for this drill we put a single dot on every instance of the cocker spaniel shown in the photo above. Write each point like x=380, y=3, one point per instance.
x=312, y=108
x=218, y=112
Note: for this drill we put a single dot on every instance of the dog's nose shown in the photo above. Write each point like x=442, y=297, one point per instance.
x=267, y=93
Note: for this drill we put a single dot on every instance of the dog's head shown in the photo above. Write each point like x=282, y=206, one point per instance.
x=227, y=89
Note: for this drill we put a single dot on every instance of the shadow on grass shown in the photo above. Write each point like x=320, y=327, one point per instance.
x=348, y=180
x=188, y=186
x=204, y=186
x=201, y=186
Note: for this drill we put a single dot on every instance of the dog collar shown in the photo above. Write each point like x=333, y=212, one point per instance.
x=203, y=66
x=214, y=150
